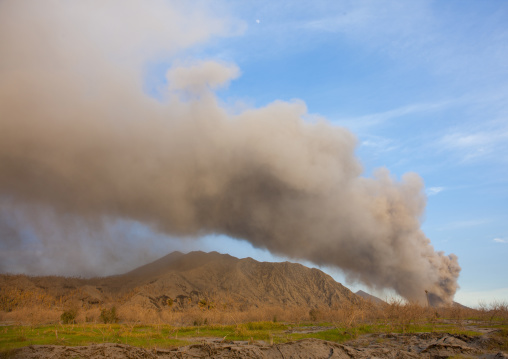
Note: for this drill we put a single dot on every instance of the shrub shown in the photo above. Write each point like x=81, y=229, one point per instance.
x=314, y=313
x=109, y=315
x=69, y=316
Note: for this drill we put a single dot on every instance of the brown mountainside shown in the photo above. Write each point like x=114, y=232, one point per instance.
x=188, y=279
x=214, y=276
x=370, y=297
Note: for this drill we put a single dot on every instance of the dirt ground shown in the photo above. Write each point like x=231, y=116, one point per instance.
x=389, y=346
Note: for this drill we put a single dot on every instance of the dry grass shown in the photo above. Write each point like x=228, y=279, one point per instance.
x=495, y=311
x=31, y=315
x=142, y=326
x=396, y=315
x=34, y=306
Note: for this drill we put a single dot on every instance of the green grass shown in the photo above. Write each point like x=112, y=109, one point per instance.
x=496, y=326
x=167, y=336
x=148, y=336
x=73, y=335
x=338, y=335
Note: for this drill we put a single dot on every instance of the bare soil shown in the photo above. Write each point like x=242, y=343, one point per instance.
x=389, y=346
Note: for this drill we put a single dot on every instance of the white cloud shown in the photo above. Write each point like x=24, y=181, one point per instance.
x=373, y=24
x=471, y=144
x=378, y=143
x=432, y=191
x=477, y=143
x=500, y=240
x=374, y=119
x=346, y=22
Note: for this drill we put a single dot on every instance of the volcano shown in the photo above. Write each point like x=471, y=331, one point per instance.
x=186, y=280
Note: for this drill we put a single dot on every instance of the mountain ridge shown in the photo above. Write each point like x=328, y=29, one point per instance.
x=185, y=280
x=370, y=297
x=243, y=280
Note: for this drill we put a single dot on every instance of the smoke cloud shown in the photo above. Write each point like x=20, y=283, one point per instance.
x=81, y=140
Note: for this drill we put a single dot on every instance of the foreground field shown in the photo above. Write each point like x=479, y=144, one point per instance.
x=163, y=336
x=382, y=330
x=166, y=336
x=254, y=340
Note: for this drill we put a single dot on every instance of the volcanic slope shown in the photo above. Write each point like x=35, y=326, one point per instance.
x=370, y=297
x=197, y=278
x=190, y=278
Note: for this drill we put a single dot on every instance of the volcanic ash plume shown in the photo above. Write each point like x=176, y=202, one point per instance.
x=81, y=138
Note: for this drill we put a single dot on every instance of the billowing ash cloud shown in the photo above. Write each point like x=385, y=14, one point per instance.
x=80, y=139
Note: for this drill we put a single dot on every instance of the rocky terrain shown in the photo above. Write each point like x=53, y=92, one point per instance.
x=389, y=346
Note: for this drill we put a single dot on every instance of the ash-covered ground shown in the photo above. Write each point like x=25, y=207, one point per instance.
x=389, y=346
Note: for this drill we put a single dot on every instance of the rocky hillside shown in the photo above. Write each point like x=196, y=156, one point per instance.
x=370, y=297
x=197, y=278
x=213, y=277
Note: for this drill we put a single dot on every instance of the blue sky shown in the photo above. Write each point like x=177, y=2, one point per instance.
x=424, y=87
